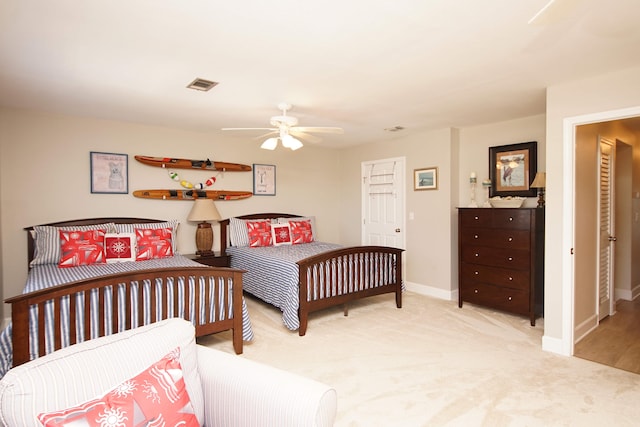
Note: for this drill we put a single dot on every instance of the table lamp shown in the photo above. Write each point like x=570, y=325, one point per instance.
x=204, y=210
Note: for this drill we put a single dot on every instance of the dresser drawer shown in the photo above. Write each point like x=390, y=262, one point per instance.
x=476, y=218
x=511, y=300
x=502, y=238
x=497, y=257
x=512, y=219
x=515, y=279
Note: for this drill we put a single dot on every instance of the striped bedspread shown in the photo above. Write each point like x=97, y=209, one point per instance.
x=44, y=276
x=272, y=274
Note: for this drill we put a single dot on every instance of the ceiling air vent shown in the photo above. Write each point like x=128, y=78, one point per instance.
x=394, y=129
x=202, y=84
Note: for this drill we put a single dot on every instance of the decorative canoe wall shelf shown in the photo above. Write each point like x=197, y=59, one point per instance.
x=192, y=191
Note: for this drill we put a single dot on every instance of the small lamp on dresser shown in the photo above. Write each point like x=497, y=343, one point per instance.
x=540, y=182
x=204, y=210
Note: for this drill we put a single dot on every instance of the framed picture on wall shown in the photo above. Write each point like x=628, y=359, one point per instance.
x=109, y=173
x=425, y=178
x=512, y=169
x=264, y=180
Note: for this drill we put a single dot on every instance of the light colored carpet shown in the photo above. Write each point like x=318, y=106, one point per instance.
x=433, y=364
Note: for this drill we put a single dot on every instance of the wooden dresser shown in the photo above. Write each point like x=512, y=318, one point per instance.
x=501, y=259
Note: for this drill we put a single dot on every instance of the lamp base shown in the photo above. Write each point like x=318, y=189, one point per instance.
x=541, y=199
x=204, y=239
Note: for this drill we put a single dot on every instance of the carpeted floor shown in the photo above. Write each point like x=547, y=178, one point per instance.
x=433, y=364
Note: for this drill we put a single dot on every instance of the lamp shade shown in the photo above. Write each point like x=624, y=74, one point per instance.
x=203, y=210
x=270, y=144
x=540, y=181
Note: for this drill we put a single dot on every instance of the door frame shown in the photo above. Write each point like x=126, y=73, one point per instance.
x=569, y=125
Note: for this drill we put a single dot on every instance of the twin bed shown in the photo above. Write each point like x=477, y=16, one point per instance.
x=62, y=306
x=56, y=310
x=302, y=278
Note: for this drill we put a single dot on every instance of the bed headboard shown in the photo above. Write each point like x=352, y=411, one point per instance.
x=31, y=243
x=224, y=226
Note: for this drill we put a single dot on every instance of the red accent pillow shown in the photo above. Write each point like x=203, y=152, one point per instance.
x=259, y=233
x=281, y=234
x=301, y=232
x=81, y=247
x=154, y=243
x=156, y=396
x=120, y=247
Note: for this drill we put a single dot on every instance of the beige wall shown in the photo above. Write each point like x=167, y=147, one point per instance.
x=574, y=101
x=44, y=177
x=429, y=243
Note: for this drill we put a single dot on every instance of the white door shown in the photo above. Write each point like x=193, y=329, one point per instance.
x=607, y=229
x=383, y=202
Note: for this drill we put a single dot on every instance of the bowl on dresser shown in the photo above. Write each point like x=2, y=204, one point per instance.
x=511, y=202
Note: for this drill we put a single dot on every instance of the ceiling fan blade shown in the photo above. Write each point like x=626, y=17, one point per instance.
x=303, y=135
x=318, y=129
x=268, y=134
x=271, y=129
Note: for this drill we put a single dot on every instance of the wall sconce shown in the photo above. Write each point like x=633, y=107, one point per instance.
x=540, y=182
x=204, y=210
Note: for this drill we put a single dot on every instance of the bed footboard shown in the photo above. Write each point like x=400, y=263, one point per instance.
x=347, y=274
x=209, y=297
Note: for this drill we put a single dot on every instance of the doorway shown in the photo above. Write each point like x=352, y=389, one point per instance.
x=580, y=309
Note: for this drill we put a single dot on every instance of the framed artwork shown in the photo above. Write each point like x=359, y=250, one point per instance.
x=425, y=178
x=264, y=180
x=109, y=173
x=512, y=169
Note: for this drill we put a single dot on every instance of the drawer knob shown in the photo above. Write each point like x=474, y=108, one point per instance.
x=511, y=239
x=475, y=236
x=510, y=218
x=510, y=258
x=509, y=298
x=476, y=217
x=476, y=273
x=475, y=291
x=510, y=279
x=477, y=254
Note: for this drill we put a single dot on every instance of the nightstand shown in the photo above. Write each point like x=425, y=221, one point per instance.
x=213, y=260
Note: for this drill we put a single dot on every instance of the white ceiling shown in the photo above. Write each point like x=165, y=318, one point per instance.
x=360, y=65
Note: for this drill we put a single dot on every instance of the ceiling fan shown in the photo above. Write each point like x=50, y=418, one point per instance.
x=286, y=131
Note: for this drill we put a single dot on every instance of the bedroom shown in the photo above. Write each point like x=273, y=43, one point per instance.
x=44, y=176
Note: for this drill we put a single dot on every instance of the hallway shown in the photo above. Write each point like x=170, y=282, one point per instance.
x=616, y=342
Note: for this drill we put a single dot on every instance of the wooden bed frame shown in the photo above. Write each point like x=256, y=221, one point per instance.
x=223, y=278
x=319, y=270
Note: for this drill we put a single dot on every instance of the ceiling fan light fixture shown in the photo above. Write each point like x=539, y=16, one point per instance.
x=270, y=144
x=290, y=142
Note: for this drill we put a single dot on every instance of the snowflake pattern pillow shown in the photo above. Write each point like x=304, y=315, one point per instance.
x=259, y=233
x=154, y=243
x=280, y=234
x=301, y=232
x=155, y=397
x=81, y=247
x=120, y=247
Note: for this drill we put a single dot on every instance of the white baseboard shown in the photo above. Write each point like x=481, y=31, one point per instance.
x=555, y=345
x=583, y=329
x=627, y=294
x=430, y=291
